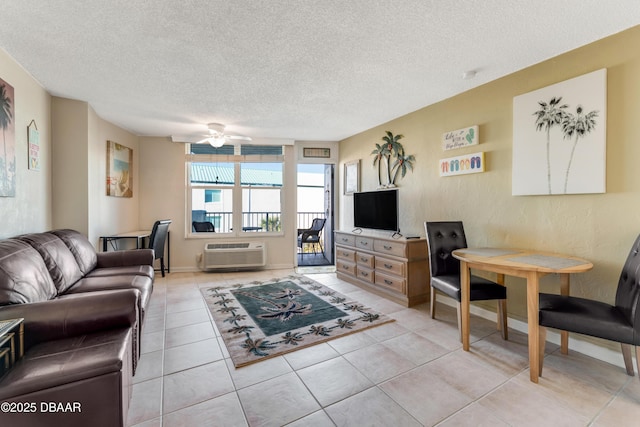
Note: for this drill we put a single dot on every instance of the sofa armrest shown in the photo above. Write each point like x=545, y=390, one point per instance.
x=75, y=314
x=125, y=258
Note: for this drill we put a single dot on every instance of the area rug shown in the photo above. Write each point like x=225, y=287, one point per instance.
x=263, y=319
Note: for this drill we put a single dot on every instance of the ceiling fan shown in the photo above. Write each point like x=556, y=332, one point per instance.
x=217, y=138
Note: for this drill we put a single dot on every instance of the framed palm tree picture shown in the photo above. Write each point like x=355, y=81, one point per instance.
x=559, y=138
x=119, y=170
x=8, y=136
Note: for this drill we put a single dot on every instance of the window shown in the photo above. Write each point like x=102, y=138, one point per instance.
x=238, y=193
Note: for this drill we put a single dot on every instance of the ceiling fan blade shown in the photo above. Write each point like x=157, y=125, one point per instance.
x=243, y=138
x=202, y=141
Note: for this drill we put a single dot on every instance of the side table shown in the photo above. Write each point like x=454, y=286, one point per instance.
x=8, y=330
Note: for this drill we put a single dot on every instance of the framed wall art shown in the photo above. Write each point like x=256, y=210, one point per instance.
x=33, y=142
x=8, y=138
x=119, y=170
x=559, y=137
x=352, y=177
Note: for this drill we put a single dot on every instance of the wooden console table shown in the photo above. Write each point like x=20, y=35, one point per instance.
x=396, y=269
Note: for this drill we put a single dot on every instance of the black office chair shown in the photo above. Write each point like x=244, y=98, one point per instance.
x=311, y=235
x=203, y=227
x=443, y=238
x=157, y=240
x=619, y=322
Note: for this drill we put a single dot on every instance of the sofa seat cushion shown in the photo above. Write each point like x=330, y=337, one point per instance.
x=24, y=277
x=106, y=283
x=130, y=270
x=60, y=262
x=68, y=360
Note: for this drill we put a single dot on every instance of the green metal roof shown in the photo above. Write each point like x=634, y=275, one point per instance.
x=211, y=173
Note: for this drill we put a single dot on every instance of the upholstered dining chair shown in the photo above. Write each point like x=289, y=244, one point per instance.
x=203, y=227
x=311, y=235
x=157, y=240
x=444, y=237
x=619, y=322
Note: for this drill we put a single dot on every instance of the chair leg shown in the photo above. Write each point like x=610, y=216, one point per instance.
x=459, y=309
x=162, y=266
x=433, y=302
x=542, y=340
x=502, y=319
x=628, y=360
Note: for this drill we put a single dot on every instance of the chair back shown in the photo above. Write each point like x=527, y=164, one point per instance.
x=317, y=224
x=203, y=226
x=444, y=237
x=158, y=237
x=628, y=292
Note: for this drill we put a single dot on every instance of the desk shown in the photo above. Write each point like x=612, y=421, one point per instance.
x=531, y=265
x=139, y=236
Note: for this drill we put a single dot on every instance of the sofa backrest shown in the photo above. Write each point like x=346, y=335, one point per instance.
x=24, y=277
x=80, y=247
x=60, y=262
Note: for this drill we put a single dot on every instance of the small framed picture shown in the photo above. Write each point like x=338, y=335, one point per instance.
x=352, y=177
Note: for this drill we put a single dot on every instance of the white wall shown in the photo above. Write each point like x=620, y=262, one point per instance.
x=30, y=209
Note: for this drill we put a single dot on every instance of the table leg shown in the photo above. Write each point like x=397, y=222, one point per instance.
x=104, y=244
x=564, y=335
x=533, y=287
x=465, y=291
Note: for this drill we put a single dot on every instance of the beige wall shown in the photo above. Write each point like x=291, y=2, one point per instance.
x=163, y=184
x=30, y=209
x=79, y=172
x=598, y=227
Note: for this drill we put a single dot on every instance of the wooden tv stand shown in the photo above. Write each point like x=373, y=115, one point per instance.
x=396, y=269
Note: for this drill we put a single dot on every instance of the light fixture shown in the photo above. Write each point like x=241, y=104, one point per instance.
x=217, y=139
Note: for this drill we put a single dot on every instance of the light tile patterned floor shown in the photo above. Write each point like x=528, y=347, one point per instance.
x=410, y=372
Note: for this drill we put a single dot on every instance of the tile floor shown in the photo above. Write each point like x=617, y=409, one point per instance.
x=410, y=372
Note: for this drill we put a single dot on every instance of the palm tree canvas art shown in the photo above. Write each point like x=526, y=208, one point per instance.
x=8, y=150
x=559, y=138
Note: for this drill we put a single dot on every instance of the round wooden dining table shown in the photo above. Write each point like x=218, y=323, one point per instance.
x=530, y=265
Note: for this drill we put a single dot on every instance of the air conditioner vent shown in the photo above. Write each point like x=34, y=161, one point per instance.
x=234, y=255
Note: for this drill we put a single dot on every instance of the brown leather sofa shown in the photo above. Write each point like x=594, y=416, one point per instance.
x=83, y=314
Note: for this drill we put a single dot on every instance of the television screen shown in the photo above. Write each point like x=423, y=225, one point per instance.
x=376, y=209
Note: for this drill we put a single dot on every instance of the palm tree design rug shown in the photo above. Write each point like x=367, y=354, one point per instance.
x=260, y=320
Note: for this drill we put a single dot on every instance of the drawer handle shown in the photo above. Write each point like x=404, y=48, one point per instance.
x=388, y=282
x=364, y=259
x=344, y=239
x=346, y=267
x=363, y=243
x=345, y=253
x=364, y=273
x=387, y=247
x=388, y=266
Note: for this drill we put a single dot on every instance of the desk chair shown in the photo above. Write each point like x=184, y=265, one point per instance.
x=311, y=235
x=157, y=240
x=619, y=322
x=203, y=227
x=442, y=239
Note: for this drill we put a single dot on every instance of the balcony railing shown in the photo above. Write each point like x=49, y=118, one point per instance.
x=257, y=221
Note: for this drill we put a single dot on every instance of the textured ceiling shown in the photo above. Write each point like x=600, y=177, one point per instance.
x=303, y=70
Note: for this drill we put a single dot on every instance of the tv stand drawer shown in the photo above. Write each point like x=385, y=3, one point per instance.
x=367, y=274
x=364, y=259
x=345, y=239
x=346, y=267
x=346, y=254
x=389, y=247
x=389, y=281
x=390, y=266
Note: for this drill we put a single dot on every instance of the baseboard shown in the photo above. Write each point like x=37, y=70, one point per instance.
x=575, y=343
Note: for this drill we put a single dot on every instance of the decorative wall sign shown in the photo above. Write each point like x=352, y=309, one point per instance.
x=33, y=143
x=559, y=137
x=316, y=153
x=8, y=150
x=352, y=177
x=460, y=138
x=119, y=170
x=462, y=165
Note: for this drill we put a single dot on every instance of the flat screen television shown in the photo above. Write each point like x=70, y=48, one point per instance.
x=377, y=210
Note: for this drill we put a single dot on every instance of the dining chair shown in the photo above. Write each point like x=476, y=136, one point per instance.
x=619, y=322
x=157, y=240
x=444, y=237
x=311, y=235
x=203, y=227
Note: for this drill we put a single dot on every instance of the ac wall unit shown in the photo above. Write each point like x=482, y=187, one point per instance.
x=234, y=255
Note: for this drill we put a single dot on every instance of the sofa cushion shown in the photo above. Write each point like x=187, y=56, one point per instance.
x=129, y=270
x=106, y=283
x=24, y=277
x=60, y=262
x=80, y=247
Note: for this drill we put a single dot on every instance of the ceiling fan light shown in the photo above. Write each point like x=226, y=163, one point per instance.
x=216, y=142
